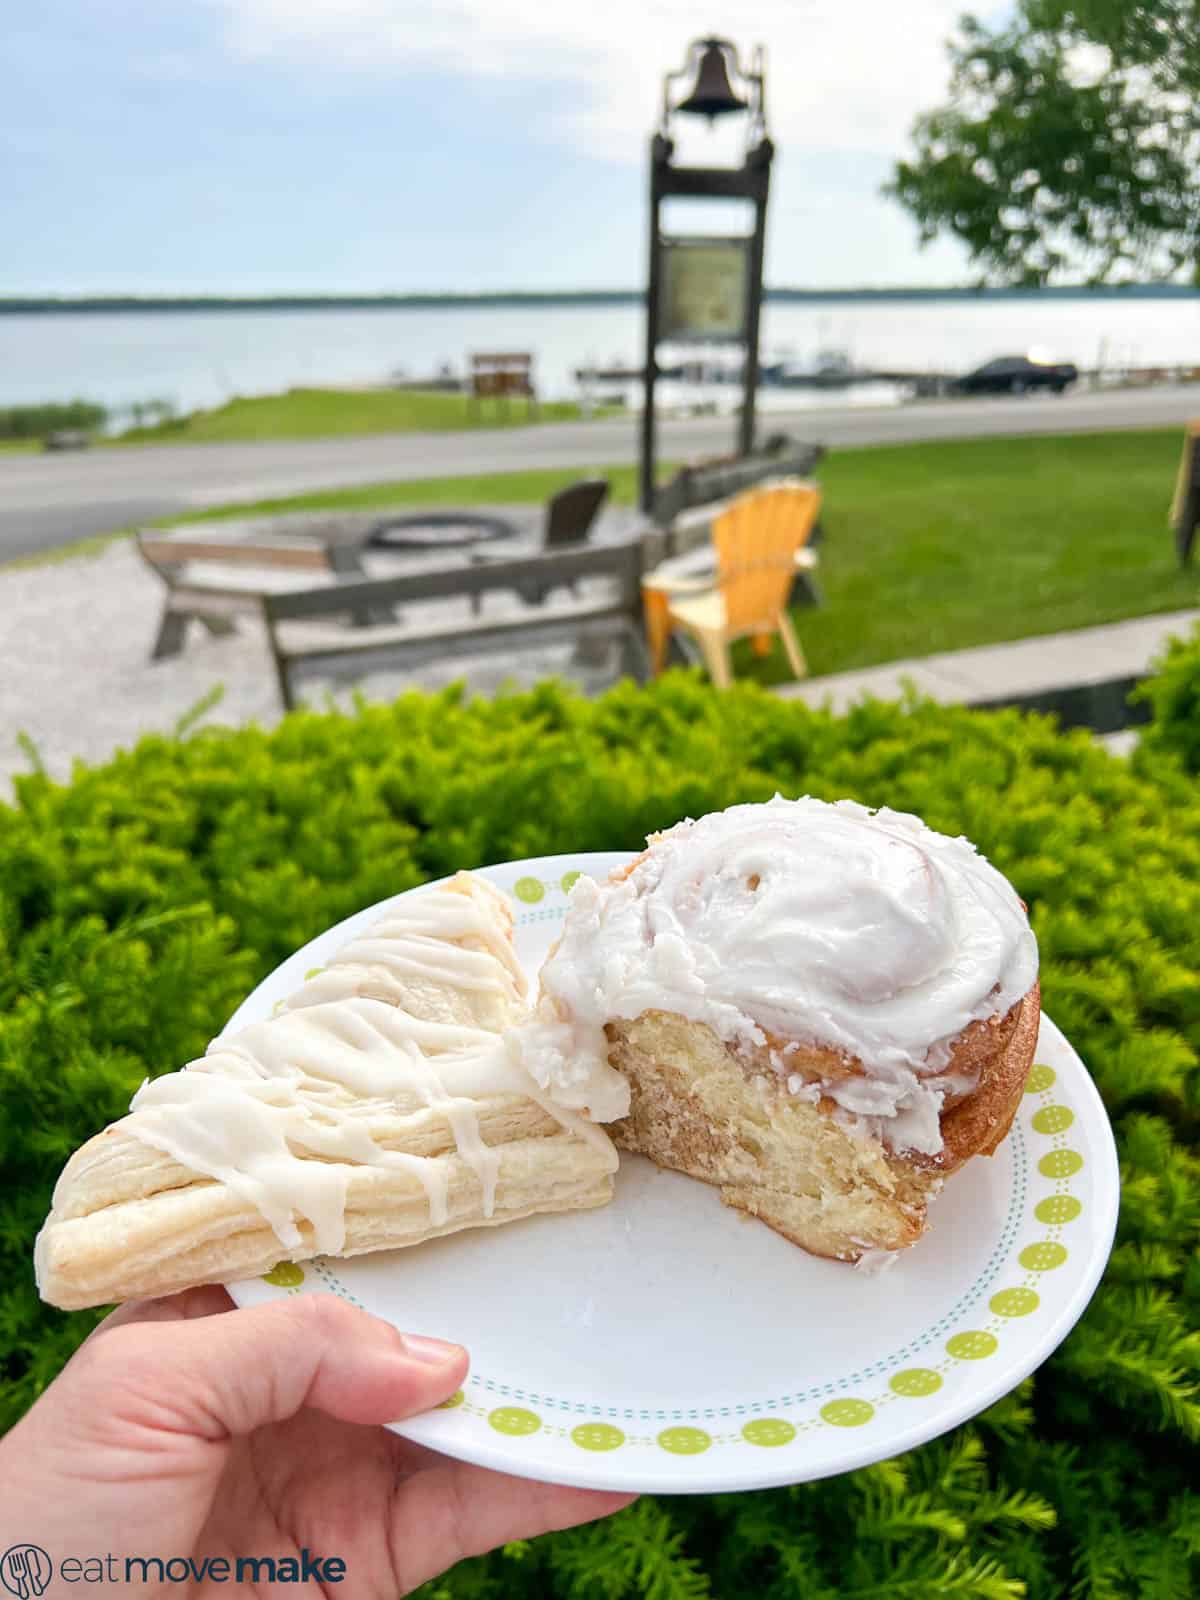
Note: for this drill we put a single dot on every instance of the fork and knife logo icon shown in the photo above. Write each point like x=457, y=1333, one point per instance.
x=25, y=1570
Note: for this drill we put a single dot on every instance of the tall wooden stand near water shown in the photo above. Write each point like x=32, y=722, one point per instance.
x=712, y=95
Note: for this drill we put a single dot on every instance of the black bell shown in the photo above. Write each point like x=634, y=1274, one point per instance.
x=713, y=94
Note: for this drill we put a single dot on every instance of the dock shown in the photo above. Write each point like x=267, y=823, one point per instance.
x=925, y=384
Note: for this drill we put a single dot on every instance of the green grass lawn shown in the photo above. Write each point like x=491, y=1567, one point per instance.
x=328, y=413
x=484, y=488
x=942, y=546
x=935, y=547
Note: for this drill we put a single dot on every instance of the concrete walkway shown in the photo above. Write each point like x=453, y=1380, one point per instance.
x=1033, y=672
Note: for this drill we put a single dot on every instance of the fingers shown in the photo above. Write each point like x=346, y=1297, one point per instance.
x=206, y=1302
x=174, y=1367
x=464, y=1510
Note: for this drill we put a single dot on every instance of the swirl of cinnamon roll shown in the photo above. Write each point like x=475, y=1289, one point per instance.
x=850, y=948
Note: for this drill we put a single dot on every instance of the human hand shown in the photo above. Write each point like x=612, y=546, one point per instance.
x=182, y=1428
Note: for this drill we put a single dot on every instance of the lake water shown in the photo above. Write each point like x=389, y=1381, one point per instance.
x=202, y=358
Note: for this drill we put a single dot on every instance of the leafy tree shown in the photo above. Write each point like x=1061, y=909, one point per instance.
x=1071, y=143
x=34, y=422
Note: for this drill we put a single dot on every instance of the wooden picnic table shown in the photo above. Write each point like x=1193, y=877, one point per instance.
x=495, y=375
x=302, y=639
x=330, y=540
x=214, y=571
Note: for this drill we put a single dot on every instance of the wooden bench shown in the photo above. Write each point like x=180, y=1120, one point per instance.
x=214, y=575
x=499, y=374
x=706, y=484
x=299, y=648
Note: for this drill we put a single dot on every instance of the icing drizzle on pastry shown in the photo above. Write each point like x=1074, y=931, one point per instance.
x=441, y=951
x=280, y=1111
x=864, y=933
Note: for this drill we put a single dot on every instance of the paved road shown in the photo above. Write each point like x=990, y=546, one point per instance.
x=47, y=501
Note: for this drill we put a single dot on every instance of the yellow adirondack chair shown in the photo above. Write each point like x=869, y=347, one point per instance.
x=757, y=541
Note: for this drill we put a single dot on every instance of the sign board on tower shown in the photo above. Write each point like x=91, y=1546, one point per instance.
x=704, y=284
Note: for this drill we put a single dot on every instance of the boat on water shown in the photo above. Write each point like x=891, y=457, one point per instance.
x=829, y=369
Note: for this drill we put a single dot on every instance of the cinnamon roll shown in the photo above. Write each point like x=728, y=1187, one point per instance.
x=822, y=1010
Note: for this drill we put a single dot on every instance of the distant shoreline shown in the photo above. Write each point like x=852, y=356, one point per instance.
x=51, y=305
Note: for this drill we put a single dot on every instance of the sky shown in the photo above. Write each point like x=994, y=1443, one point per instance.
x=292, y=146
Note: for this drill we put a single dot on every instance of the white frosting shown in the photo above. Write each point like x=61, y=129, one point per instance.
x=830, y=925
x=569, y=1062
x=279, y=1111
x=871, y=1263
x=458, y=937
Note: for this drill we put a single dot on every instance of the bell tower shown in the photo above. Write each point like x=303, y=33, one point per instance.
x=705, y=291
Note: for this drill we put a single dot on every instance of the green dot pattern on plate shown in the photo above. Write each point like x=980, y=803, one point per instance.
x=1060, y=1164
x=1053, y=1119
x=684, y=1441
x=768, y=1432
x=847, y=1413
x=1057, y=1209
x=285, y=1275
x=514, y=1420
x=971, y=1346
x=530, y=890
x=456, y=1399
x=1014, y=1302
x=597, y=1436
x=915, y=1382
x=313, y=972
x=567, y=881
x=1043, y=1257
x=1039, y=1078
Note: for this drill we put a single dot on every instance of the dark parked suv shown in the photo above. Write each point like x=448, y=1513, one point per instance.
x=1017, y=375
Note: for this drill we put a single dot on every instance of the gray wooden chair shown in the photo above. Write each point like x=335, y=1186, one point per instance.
x=570, y=516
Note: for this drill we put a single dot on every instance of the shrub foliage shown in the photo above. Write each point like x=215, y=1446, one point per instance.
x=34, y=422
x=1174, y=696
x=139, y=903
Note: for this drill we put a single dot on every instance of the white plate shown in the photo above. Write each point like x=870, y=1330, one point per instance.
x=665, y=1343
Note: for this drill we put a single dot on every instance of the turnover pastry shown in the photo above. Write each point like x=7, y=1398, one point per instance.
x=381, y=1106
x=821, y=1009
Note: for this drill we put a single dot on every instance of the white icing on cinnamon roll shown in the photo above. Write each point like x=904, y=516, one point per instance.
x=865, y=933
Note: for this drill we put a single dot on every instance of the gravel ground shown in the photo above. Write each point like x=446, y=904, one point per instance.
x=75, y=673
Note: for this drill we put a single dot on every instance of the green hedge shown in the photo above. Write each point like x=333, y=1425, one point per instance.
x=141, y=901
x=35, y=422
x=1173, y=694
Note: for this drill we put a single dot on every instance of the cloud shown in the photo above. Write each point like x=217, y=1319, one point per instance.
x=844, y=75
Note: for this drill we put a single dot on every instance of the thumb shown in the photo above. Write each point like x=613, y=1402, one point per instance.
x=218, y=1377
x=150, y=1407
